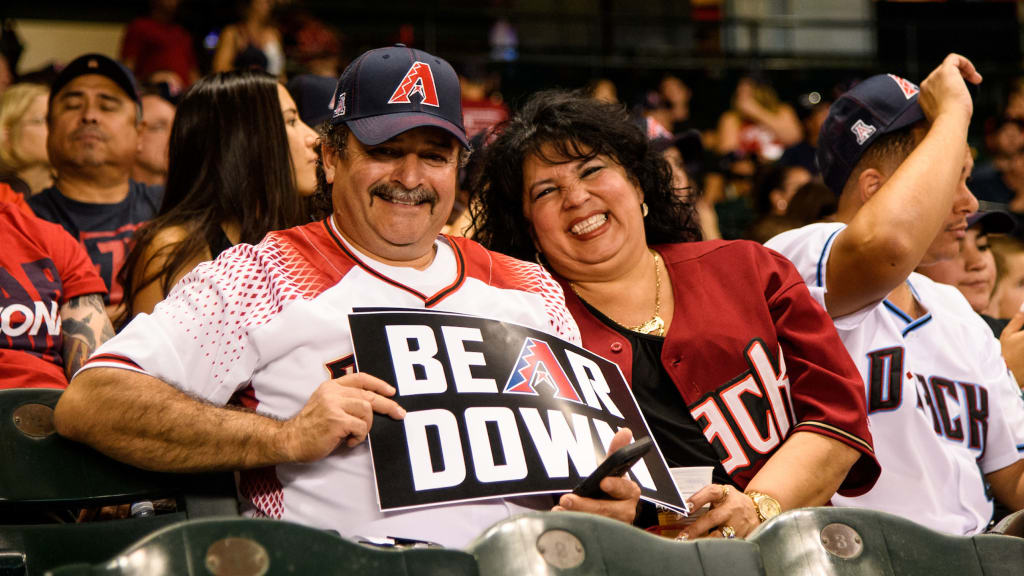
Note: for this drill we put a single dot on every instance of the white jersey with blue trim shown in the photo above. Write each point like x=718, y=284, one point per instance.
x=942, y=406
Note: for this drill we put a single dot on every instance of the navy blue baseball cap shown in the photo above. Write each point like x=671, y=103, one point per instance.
x=312, y=96
x=101, y=65
x=993, y=221
x=879, y=105
x=387, y=91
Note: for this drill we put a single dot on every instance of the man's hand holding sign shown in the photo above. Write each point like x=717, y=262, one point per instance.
x=341, y=410
x=498, y=410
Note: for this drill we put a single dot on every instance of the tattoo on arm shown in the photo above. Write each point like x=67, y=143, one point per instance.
x=85, y=325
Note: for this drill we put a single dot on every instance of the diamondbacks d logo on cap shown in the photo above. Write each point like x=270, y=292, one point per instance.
x=339, y=108
x=419, y=79
x=906, y=86
x=862, y=131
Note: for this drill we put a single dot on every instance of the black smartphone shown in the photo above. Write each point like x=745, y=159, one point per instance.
x=615, y=464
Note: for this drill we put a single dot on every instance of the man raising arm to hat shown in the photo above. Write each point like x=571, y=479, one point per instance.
x=940, y=400
x=265, y=326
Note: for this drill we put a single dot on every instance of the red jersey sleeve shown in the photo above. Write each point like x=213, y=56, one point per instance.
x=826, y=389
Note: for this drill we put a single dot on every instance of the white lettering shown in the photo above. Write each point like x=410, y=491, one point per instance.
x=733, y=398
x=6, y=325
x=639, y=470
x=455, y=338
x=480, y=443
x=719, y=427
x=51, y=317
x=423, y=475
x=405, y=359
x=555, y=449
x=775, y=386
x=592, y=382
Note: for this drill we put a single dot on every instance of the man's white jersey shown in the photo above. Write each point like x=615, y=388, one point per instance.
x=942, y=406
x=265, y=325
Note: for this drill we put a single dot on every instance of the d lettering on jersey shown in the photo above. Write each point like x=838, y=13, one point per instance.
x=958, y=411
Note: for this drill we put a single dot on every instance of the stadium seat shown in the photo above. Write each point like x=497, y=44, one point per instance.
x=46, y=477
x=1012, y=525
x=569, y=543
x=242, y=546
x=852, y=541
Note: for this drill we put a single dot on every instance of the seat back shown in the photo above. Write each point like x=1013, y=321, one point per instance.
x=44, y=471
x=568, y=543
x=243, y=546
x=44, y=475
x=848, y=541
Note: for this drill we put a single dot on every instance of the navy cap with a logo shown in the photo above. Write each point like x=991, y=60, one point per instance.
x=101, y=65
x=387, y=91
x=879, y=105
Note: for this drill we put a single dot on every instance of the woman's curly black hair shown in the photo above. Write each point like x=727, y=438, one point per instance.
x=575, y=127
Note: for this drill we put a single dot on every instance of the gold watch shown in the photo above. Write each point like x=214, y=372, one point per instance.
x=766, y=506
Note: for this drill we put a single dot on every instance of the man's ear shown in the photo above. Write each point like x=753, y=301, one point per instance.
x=869, y=182
x=330, y=157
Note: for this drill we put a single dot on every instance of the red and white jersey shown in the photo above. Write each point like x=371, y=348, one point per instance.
x=942, y=406
x=265, y=325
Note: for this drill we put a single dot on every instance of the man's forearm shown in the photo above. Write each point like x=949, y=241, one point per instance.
x=145, y=422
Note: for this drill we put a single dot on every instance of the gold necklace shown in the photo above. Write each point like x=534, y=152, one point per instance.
x=655, y=325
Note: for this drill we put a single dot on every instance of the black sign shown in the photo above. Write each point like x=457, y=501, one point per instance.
x=493, y=410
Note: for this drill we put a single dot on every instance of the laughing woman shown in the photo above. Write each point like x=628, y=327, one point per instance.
x=730, y=359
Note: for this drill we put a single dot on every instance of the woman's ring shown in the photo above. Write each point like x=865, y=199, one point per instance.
x=725, y=493
x=728, y=532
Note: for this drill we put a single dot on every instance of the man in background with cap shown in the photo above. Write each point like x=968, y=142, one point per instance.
x=941, y=403
x=265, y=326
x=93, y=118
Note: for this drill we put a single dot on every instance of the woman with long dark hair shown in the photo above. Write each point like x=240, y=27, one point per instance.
x=730, y=359
x=241, y=163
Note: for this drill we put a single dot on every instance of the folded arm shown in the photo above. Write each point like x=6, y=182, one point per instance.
x=148, y=423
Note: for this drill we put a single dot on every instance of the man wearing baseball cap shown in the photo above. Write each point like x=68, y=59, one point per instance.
x=93, y=118
x=941, y=404
x=265, y=326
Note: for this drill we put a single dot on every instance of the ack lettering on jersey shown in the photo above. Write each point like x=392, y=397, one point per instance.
x=748, y=417
x=958, y=411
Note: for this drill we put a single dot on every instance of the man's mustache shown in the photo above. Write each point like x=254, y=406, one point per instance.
x=88, y=131
x=396, y=193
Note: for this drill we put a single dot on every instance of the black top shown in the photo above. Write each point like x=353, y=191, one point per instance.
x=105, y=230
x=678, y=435
x=218, y=241
x=995, y=324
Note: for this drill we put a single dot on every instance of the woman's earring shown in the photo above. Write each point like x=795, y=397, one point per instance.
x=643, y=209
x=537, y=258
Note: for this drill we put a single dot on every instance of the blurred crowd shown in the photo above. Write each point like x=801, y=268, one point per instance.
x=120, y=176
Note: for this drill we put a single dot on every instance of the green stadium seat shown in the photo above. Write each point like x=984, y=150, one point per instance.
x=1012, y=525
x=570, y=544
x=242, y=546
x=47, y=477
x=853, y=541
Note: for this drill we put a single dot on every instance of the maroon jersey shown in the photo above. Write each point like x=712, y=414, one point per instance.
x=753, y=356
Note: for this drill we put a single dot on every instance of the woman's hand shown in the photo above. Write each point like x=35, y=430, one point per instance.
x=732, y=513
x=625, y=494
